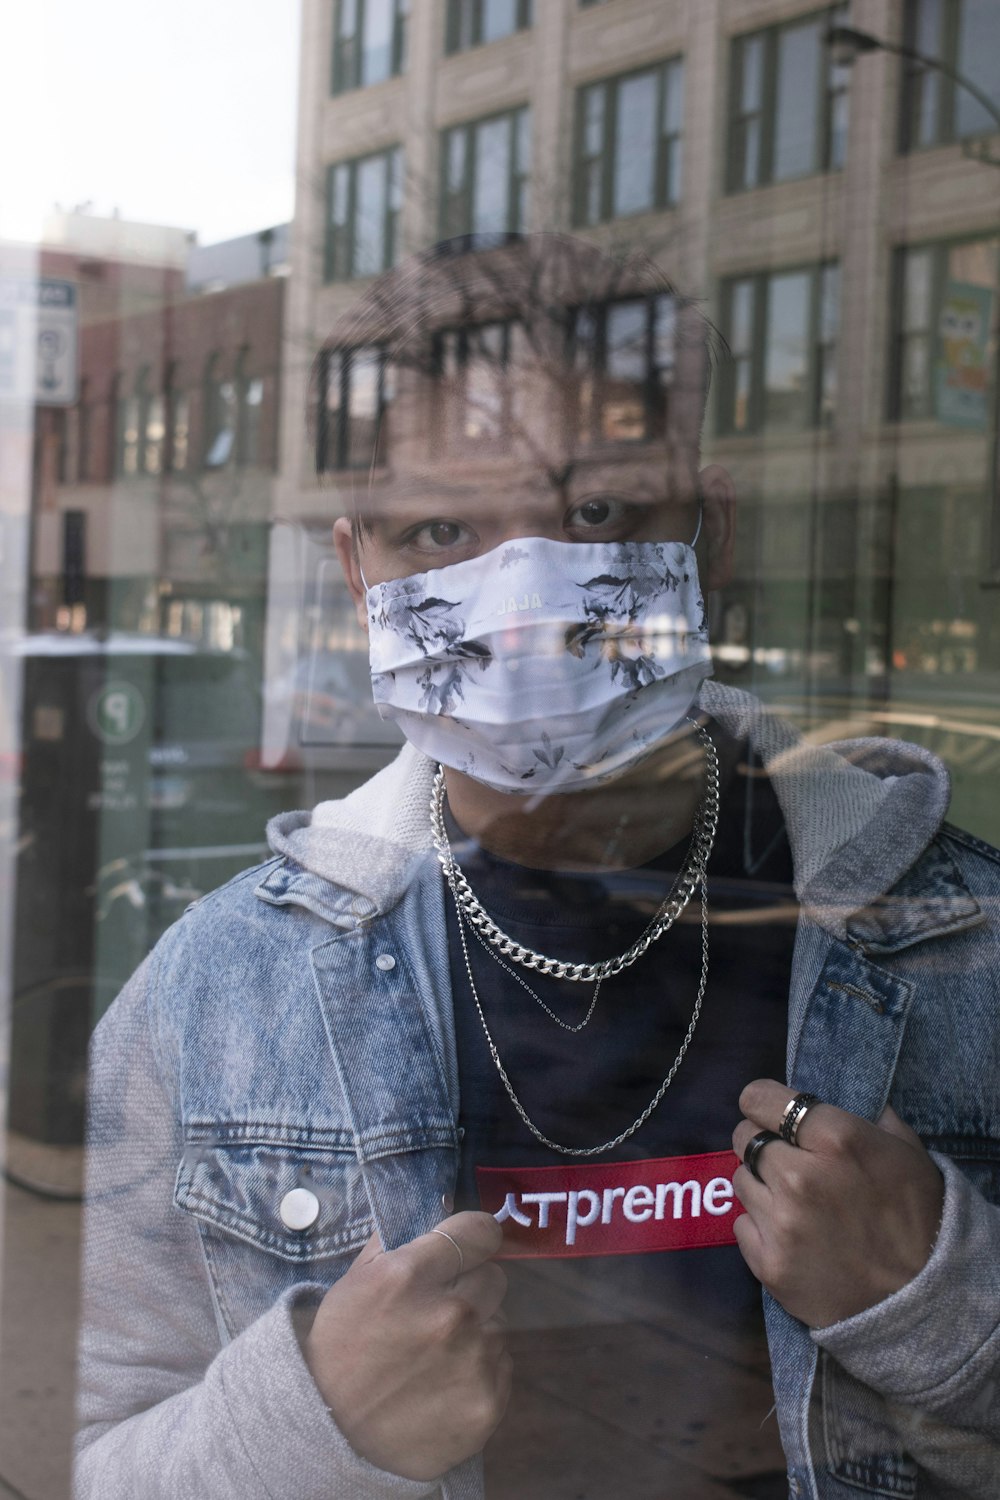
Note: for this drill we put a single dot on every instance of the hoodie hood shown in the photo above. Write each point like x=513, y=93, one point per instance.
x=858, y=813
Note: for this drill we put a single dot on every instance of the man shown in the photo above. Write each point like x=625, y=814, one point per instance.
x=594, y=913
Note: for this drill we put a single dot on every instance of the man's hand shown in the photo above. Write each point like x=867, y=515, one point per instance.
x=408, y=1349
x=841, y=1220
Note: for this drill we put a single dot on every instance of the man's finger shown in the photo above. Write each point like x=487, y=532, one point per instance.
x=457, y=1245
x=483, y=1289
x=369, y=1250
x=889, y=1121
x=764, y=1102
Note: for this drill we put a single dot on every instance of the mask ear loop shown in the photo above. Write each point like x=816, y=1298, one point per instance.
x=701, y=515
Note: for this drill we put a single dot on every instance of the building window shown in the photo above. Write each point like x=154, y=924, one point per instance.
x=788, y=103
x=481, y=403
x=84, y=433
x=220, y=417
x=177, y=422
x=129, y=426
x=364, y=198
x=781, y=327
x=628, y=143
x=369, y=42
x=945, y=333
x=470, y=23
x=623, y=356
x=353, y=398
x=250, y=400
x=154, y=433
x=965, y=36
x=485, y=174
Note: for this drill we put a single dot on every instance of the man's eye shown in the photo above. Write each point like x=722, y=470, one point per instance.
x=435, y=536
x=598, y=510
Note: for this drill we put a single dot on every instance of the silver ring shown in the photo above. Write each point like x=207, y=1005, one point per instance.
x=754, y=1147
x=446, y=1236
x=794, y=1113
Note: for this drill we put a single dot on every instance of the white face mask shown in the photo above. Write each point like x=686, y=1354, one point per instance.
x=542, y=665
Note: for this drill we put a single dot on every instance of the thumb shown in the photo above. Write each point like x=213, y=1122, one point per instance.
x=890, y=1122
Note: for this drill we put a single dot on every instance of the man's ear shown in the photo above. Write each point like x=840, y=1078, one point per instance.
x=350, y=566
x=718, y=526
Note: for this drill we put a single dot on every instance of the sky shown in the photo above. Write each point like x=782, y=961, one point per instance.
x=181, y=114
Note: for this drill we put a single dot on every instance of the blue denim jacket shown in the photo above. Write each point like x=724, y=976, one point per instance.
x=262, y=1047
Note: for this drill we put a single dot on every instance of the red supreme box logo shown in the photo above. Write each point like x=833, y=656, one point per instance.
x=618, y=1208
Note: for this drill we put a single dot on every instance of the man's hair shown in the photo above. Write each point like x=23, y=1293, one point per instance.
x=544, y=282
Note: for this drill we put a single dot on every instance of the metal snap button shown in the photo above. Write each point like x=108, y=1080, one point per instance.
x=299, y=1209
x=385, y=962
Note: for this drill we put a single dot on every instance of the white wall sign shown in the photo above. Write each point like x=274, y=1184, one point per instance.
x=38, y=340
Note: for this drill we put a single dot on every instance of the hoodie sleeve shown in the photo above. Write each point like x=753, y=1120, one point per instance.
x=932, y=1349
x=168, y=1410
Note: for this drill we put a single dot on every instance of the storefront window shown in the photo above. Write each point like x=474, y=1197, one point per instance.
x=500, y=750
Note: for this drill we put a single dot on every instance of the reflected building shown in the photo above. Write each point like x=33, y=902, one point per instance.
x=837, y=222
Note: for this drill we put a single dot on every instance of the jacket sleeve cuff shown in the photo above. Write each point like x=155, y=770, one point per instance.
x=937, y=1339
x=290, y=1439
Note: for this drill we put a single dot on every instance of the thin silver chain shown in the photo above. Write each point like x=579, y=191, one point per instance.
x=702, y=840
x=667, y=1081
x=534, y=995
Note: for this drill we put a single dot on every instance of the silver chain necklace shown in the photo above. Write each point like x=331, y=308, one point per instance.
x=657, y=1097
x=472, y=914
x=702, y=840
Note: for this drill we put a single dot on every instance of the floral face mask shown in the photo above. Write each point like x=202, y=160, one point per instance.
x=542, y=665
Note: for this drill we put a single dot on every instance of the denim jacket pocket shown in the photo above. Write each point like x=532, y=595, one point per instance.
x=272, y=1213
x=862, y=1447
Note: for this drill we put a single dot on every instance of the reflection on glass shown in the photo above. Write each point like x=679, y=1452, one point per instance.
x=796, y=118
x=786, y=358
x=635, y=144
x=363, y=405
x=492, y=177
x=372, y=196
x=978, y=43
x=624, y=407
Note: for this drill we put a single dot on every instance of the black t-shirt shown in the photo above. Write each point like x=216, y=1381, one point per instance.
x=637, y=1376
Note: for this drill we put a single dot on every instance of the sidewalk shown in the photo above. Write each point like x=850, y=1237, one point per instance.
x=38, y=1314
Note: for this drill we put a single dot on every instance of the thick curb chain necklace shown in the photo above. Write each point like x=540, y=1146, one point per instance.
x=702, y=841
x=657, y=1097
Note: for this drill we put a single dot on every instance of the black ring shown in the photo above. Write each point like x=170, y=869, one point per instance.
x=755, y=1146
x=795, y=1112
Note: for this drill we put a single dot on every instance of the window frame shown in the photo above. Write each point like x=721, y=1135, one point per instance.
x=518, y=181
x=947, y=89
x=667, y=192
x=463, y=25
x=341, y=443
x=591, y=433
x=822, y=353
x=347, y=58
x=939, y=251
x=829, y=86
x=339, y=267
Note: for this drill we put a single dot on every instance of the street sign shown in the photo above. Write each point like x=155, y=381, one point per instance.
x=38, y=340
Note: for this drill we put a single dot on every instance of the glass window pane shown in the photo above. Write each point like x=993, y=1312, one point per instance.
x=376, y=51
x=917, y=283
x=752, y=82
x=455, y=153
x=491, y=197
x=362, y=407
x=499, y=19
x=786, y=354
x=795, y=123
x=673, y=97
x=635, y=144
x=741, y=317
x=369, y=216
x=623, y=415
x=978, y=54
